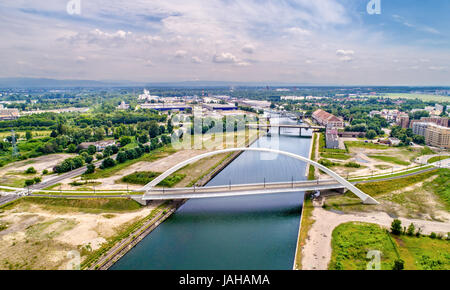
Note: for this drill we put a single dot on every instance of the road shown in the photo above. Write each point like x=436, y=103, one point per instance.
x=70, y=174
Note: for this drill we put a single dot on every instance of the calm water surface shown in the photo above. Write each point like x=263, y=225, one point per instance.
x=256, y=232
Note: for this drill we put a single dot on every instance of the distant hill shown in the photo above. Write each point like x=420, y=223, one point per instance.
x=54, y=83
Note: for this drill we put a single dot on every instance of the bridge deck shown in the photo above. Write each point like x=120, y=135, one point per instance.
x=239, y=190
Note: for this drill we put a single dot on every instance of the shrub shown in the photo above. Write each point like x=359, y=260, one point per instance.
x=45, y=172
x=352, y=165
x=398, y=265
x=411, y=230
x=30, y=170
x=433, y=235
x=107, y=163
x=37, y=179
x=396, y=227
x=90, y=169
x=29, y=182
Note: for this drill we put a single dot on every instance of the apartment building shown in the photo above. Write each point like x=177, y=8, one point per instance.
x=435, y=135
x=327, y=119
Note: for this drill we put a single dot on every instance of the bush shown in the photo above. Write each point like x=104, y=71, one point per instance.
x=411, y=230
x=398, y=265
x=45, y=172
x=29, y=182
x=37, y=179
x=90, y=169
x=30, y=170
x=433, y=235
x=396, y=227
x=352, y=165
x=107, y=163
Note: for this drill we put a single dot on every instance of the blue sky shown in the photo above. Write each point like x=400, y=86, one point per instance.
x=292, y=41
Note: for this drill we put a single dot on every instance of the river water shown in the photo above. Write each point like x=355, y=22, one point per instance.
x=236, y=233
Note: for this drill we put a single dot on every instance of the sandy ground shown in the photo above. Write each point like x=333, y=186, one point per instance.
x=57, y=233
x=370, y=165
x=317, y=251
x=39, y=163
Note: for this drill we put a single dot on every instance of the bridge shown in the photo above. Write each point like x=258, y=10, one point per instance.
x=288, y=126
x=337, y=182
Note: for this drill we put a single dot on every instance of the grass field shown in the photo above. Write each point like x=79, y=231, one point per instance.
x=381, y=187
x=83, y=205
x=423, y=97
x=340, y=156
x=358, y=144
x=390, y=159
x=306, y=223
x=144, y=177
x=351, y=243
x=437, y=158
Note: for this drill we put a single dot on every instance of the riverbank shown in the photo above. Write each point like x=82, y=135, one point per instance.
x=306, y=215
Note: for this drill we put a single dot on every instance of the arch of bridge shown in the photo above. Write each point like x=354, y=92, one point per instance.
x=366, y=199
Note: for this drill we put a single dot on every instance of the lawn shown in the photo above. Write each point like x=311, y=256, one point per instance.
x=340, y=156
x=423, y=97
x=390, y=159
x=358, y=144
x=381, y=187
x=437, y=158
x=97, y=205
x=144, y=177
x=352, y=241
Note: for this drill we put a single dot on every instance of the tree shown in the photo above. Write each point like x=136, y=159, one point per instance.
x=29, y=182
x=90, y=169
x=411, y=230
x=371, y=134
x=72, y=148
x=107, y=163
x=396, y=227
x=143, y=138
x=30, y=170
x=92, y=149
x=53, y=134
x=169, y=126
x=399, y=264
x=28, y=135
x=153, y=129
x=88, y=159
x=121, y=157
x=124, y=141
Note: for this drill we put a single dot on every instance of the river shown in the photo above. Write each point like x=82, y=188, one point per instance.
x=237, y=233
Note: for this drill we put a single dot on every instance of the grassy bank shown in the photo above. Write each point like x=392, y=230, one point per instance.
x=352, y=241
x=306, y=223
x=381, y=187
x=144, y=177
x=97, y=205
x=437, y=159
x=390, y=159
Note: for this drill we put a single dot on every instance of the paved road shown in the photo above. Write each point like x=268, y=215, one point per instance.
x=7, y=198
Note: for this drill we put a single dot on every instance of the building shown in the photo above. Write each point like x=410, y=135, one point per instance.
x=345, y=134
x=327, y=119
x=99, y=145
x=147, y=97
x=435, y=135
x=403, y=121
x=444, y=122
x=419, y=128
x=331, y=138
x=165, y=107
x=123, y=106
x=8, y=114
x=220, y=107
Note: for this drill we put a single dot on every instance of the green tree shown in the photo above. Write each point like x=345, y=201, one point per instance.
x=396, y=227
x=28, y=135
x=124, y=141
x=72, y=148
x=153, y=129
x=29, y=182
x=30, y=170
x=399, y=264
x=121, y=157
x=92, y=149
x=90, y=169
x=411, y=230
x=108, y=162
x=371, y=134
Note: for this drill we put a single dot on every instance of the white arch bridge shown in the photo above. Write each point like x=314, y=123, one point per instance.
x=151, y=192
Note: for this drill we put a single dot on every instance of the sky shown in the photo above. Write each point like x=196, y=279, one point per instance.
x=323, y=42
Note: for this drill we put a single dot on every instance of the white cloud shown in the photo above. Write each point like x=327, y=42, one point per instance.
x=196, y=59
x=180, y=53
x=345, y=55
x=225, y=57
